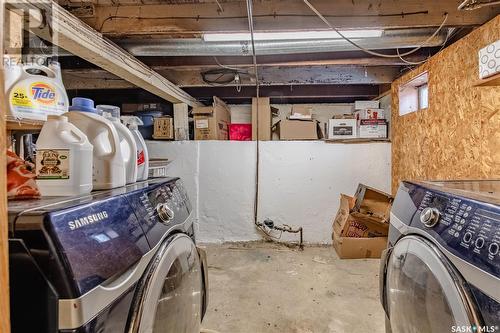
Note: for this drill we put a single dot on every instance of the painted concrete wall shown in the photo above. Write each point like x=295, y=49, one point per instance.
x=299, y=182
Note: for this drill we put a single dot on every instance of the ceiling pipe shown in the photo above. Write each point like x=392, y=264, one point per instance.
x=476, y=4
x=198, y=47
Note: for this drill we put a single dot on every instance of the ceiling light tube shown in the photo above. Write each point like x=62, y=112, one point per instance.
x=290, y=35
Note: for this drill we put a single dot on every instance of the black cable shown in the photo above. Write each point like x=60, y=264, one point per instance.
x=221, y=72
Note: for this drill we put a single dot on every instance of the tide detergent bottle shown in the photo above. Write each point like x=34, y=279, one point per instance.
x=108, y=164
x=127, y=142
x=32, y=95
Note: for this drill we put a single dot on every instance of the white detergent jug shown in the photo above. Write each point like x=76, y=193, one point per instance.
x=127, y=142
x=132, y=123
x=34, y=96
x=63, y=159
x=108, y=165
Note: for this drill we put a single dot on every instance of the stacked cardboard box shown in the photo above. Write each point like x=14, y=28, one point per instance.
x=361, y=225
x=370, y=120
x=212, y=122
x=299, y=126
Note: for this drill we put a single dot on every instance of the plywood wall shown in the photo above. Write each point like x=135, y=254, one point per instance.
x=458, y=136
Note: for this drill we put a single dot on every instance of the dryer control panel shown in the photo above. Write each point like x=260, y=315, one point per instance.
x=468, y=228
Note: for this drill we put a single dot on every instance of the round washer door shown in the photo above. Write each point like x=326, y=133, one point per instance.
x=169, y=296
x=424, y=292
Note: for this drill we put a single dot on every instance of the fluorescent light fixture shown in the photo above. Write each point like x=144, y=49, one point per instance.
x=290, y=35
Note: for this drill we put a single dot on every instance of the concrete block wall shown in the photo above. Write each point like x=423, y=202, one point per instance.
x=299, y=183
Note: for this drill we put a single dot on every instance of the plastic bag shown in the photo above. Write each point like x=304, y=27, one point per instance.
x=21, y=182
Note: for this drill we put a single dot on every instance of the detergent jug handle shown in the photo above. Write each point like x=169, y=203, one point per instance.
x=76, y=132
x=113, y=130
x=48, y=71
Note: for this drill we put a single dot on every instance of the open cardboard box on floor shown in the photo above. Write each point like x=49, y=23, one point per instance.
x=361, y=225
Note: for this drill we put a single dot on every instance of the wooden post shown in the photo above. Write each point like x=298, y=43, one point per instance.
x=4, y=251
x=181, y=125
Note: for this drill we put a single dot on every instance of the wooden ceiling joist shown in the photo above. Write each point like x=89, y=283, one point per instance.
x=268, y=76
x=188, y=18
x=70, y=33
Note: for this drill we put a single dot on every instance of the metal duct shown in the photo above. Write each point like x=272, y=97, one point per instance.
x=198, y=47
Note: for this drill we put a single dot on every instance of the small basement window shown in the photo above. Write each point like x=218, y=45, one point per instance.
x=414, y=94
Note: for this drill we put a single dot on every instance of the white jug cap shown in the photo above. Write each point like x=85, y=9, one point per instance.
x=114, y=111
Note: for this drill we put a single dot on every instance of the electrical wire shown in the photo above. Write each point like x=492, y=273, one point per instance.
x=273, y=15
x=370, y=51
x=257, y=95
x=425, y=60
x=224, y=66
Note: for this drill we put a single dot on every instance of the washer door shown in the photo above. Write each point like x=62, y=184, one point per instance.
x=424, y=292
x=169, y=296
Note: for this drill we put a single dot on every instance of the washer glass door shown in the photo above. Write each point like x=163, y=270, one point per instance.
x=424, y=292
x=171, y=297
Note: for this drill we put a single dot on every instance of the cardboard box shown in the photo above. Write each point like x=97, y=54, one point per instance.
x=212, y=122
x=361, y=224
x=370, y=114
x=372, y=202
x=489, y=60
x=163, y=128
x=297, y=129
x=263, y=128
x=349, y=224
x=301, y=112
x=305, y=110
x=357, y=248
x=342, y=128
x=359, y=105
x=372, y=128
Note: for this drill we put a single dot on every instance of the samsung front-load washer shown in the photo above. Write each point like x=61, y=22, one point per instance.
x=441, y=272
x=122, y=260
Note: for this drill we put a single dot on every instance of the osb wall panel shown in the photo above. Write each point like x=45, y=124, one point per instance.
x=458, y=136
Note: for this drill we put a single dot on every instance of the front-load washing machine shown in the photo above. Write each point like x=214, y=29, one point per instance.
x=121, y=260
x=441, y=271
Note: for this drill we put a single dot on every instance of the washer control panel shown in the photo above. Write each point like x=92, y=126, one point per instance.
x=468, y=228
x=162, y=206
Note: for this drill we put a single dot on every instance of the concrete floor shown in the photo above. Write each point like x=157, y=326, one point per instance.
x=267, y=288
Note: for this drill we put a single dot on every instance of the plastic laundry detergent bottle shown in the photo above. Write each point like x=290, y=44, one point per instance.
x=133, y=123
x=127, y=141
x=63, y=159
x=108, y=165
x=34, y=96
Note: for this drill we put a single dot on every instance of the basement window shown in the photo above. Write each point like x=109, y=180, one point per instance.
x=414, y=95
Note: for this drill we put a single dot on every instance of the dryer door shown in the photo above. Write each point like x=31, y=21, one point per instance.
x=424, y=292
x=169, y=296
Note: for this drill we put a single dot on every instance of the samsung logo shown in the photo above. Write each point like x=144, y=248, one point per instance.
x=86, y=220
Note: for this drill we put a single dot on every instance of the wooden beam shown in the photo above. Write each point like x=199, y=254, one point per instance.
x=288, y=91
x=4, y=251
x=13, y=32
x=268, y=76
x=308, y=59
x=71, y=34
x=195, y=18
